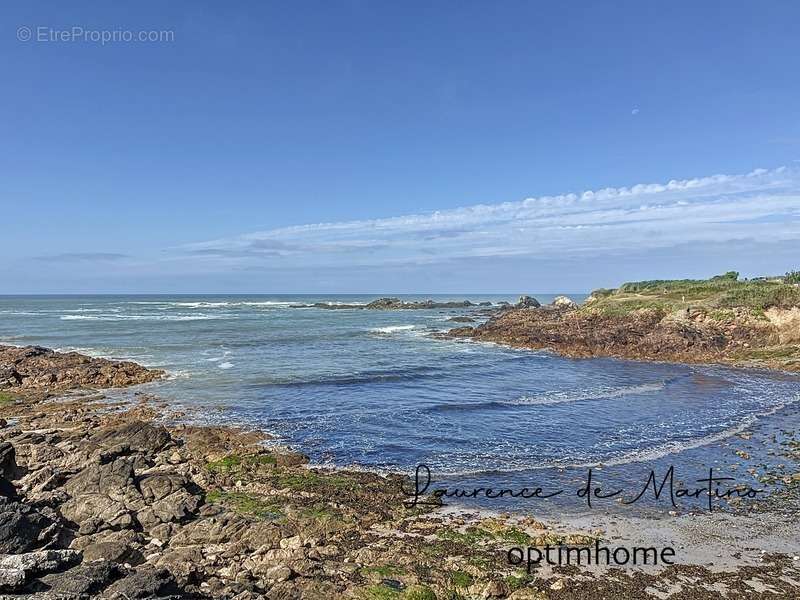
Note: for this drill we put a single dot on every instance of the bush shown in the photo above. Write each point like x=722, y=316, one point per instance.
x=792, y=277
x=729, y=276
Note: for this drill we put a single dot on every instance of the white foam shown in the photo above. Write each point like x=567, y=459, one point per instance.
x=225, y=365
x=200, y=317
x=562, y=396
x=392, y=328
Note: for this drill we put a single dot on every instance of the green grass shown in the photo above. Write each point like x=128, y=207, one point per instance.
x=475, y=535
x=235, y=462
x=384, y=571
x=384, y=592
x=516, y=582
x=460, y=579
x=419, y=592
x=247, y=504
x=380, y=592
x=6, y=398
x=774, y=353
x=719, y=293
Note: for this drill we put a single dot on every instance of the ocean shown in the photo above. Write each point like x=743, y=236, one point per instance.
x=375, y=390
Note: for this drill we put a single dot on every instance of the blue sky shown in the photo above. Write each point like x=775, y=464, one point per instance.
x=397, y=147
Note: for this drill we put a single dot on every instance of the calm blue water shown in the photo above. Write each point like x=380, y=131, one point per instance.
x=372, y=388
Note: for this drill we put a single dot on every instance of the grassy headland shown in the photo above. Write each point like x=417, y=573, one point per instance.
x=753, y=322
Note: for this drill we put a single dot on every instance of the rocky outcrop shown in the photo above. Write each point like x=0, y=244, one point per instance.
x=642, y=334
x=564, y=302
x=527, y=302
x=397, y=304
x=34, y=367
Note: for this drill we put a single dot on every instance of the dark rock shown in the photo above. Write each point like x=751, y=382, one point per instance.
x=23, y=528
x=16, y=569
x=395, y=304
x=145, y=582
x=527, y=302
x=136, y=436
x=86, y=579
x=8, y=470
x=461, y=319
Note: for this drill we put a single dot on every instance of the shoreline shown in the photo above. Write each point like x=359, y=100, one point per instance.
x=364, y=544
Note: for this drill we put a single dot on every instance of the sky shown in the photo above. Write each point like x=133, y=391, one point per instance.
x=395, y=147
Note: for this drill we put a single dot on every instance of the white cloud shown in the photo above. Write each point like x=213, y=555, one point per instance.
x=763, y=205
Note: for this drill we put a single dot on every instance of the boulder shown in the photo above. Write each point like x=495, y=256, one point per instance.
x=564, y=302
x=23, y=528
x=527, y=302
x=16, y=569
x=103, y=496
x=85, y=580
x=145, y=582
x=136, y=436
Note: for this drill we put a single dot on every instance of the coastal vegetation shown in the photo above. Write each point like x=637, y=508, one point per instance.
x=722, y=319
x=713, y=295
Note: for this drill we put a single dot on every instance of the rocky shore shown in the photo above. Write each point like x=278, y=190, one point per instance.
x=120, y=500
x=754, y=324
x=36, y=368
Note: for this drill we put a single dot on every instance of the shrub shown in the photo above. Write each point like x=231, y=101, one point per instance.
x=792, y=277
x=730, y=275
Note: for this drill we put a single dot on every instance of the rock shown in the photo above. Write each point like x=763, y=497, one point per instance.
x=145, y=582
x=291, y=459
x=23, y=528
x=278, y=573
x=111, y=546
x=461, y=319
x=493, y=589
x=392, y=304
x=558, y=584
x=34, y=367
x=16, y=569
x=564, y=302
x=135, y=436
x=527, y=302
x=85, y=579
x=103, y=496
x=8, y=470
